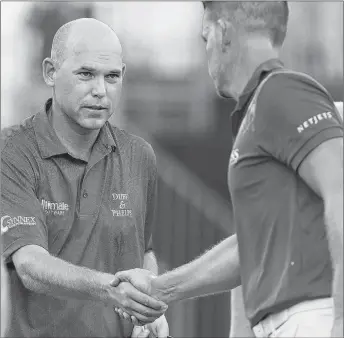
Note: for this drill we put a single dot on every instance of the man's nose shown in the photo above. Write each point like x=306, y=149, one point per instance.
x=99, y=88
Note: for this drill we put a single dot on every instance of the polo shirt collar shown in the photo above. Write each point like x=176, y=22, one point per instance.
x=50, y=145
x=256, y=78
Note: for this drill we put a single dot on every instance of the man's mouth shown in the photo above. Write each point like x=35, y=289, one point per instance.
x=96, y=107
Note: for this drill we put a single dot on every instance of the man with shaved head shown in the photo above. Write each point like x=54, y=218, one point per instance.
x=285, y=177
x=78, y=199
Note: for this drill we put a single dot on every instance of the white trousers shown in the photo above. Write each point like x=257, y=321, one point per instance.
x=312, y=318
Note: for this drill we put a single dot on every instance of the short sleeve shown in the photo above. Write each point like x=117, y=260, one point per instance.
x=294, y=115
x=22, y=218
x=152, y=191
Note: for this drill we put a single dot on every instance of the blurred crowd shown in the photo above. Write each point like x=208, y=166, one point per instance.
x=166, y=78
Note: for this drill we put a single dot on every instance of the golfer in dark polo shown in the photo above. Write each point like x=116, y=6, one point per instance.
x=78, y=199
x=285, y=177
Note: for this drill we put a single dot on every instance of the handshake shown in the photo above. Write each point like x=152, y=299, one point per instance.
x=141, y=296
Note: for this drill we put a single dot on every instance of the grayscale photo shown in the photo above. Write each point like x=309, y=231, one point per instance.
x=171, y=169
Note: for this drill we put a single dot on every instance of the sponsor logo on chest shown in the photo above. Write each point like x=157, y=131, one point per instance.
x=247, y=123
x=122, y=208
x=54, y=208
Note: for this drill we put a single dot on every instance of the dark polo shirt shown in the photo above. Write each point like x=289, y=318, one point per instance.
x=279, y=220
x=97, y=215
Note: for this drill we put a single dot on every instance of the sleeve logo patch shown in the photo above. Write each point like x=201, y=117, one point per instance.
x=314, y=120
x=8, y=222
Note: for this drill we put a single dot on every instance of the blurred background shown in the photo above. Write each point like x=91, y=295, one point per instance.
x=169, y=100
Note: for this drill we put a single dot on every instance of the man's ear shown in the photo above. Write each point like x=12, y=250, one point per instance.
x=49, y=71
x=124, y=68
x=226, y=31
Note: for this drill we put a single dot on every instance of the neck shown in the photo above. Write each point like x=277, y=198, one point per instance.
x=255, y=53
x=77, y=140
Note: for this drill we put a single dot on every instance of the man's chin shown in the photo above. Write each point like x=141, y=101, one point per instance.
x=93, y=124
x=223, y=93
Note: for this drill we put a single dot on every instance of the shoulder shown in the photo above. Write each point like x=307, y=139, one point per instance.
x=288, y=77
x=135, y=145
x=19, y=152
x=283, y=86
x=18, y=138
x=293, y=97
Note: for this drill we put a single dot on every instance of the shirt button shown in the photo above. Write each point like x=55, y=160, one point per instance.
x=85, y=194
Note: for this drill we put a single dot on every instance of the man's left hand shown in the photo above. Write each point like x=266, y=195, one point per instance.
x=158, y=329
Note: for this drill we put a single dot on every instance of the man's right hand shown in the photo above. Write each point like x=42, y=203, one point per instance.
x=136, y=303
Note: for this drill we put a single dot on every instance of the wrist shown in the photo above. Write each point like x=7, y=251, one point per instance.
x=164, y=289
x=108, y=293
x=151, y=273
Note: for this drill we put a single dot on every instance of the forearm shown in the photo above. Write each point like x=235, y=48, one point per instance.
x=334, y=221
x=150, y=262
x=44, y=273
x=215, y=271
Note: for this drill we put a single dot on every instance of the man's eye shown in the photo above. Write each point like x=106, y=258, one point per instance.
x=113, y=76
x=85, y=74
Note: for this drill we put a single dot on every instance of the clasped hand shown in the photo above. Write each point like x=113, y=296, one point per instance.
x=140, y=303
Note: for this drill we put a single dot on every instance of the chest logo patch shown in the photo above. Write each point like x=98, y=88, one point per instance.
x=122, y=208
x=248, y=121
x=54, y=208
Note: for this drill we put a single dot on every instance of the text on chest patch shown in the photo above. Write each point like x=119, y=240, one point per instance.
x=123, y=208
x=54, y=208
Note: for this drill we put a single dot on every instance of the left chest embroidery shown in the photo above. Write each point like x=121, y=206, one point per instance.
x=122, y=205
x=248, y=121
